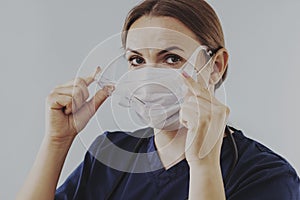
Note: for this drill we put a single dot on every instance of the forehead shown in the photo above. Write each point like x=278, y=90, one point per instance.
x=160, y=33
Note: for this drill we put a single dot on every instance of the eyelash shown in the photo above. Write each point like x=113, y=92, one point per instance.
x=177, y=58
x=130, y=60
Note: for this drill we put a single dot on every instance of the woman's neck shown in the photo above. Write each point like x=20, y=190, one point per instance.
x=170, y=146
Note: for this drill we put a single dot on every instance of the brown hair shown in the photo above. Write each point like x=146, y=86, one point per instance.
x=197, y=15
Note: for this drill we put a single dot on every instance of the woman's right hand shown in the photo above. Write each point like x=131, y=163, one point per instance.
x=68, y=109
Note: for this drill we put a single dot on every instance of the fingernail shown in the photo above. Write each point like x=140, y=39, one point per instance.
x=97, y=72
x=67, y=110
x=185, y=74
x=109, y=89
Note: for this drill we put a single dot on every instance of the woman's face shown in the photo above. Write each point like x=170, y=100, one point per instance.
x=159, y=40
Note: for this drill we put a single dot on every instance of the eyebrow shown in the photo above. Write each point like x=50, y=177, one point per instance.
x=159, y=53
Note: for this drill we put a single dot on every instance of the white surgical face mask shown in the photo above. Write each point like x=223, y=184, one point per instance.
x=155, y=93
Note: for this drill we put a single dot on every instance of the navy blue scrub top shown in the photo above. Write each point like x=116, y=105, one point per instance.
x=259, y=174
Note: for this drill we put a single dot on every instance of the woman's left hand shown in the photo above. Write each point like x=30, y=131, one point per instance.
x=205, y=118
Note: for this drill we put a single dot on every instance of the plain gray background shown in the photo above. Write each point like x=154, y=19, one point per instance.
x=43, y=43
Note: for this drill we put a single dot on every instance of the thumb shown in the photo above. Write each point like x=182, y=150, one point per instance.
x=86, y=112
x=99, y=98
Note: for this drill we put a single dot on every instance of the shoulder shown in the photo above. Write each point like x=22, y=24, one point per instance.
x=113, y=148
x=120, y=139
x=261, y=170
x=255, y=155
x=117, y=150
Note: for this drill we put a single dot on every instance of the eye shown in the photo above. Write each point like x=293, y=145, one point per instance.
x=173, y=59
x=136, y=61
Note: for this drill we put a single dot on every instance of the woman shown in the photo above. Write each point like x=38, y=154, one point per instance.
x=232, y=166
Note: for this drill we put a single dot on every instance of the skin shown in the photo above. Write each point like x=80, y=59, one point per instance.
x=68, y=103
x=201, y=112
x=65, y=104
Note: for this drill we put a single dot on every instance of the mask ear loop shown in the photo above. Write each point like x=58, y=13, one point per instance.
x=193, y=59
x=209, y=141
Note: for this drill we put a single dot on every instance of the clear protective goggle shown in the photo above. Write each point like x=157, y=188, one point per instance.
x=112, y=73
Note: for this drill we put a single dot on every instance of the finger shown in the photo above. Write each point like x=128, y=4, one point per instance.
x=204, y=99
x=195, y=88
x=201, y=80
x=91, y=78
x=58, y=101
x=188, y=116
x=84, y=91
x=203, y=75
x=78, y=95
x=100, y=97
x=190, y=82
x=65, y=101
x=86, y=112
x=68, y=90
x=199, y=109
x=90, y=107
x=78, y=99
x=86, y=81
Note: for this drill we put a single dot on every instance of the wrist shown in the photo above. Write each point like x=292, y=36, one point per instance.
x=58, y=143
x=206, y=181
x=206, y=172
x=204, y=163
